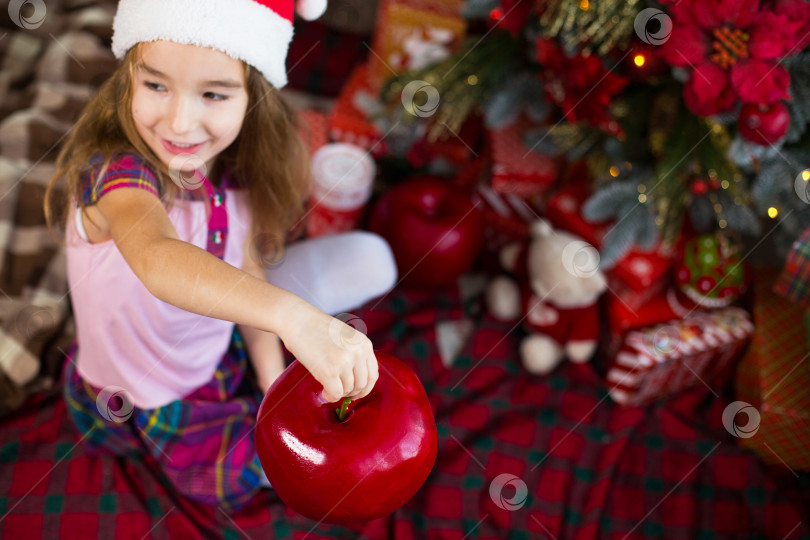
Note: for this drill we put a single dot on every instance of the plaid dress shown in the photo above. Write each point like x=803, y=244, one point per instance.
x=203, y=442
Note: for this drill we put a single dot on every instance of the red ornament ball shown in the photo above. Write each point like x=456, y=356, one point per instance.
x=764, y=124
x=699, y=187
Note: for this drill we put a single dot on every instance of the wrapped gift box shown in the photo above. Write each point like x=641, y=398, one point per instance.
x=506, y=214
x=456, y=149
x=565, y=211
x=516, y=168
x=794, y=281
x=662, y=360
x=313, y=128
x=409, y=33
x=348, y=123
x=622, y=318
x=774, y=377
x=508, y=217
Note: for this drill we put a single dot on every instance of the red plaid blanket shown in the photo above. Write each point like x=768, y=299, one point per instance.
x=519, y=457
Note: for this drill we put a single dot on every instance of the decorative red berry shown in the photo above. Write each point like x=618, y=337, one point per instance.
x=698, y=187
x=764, y=124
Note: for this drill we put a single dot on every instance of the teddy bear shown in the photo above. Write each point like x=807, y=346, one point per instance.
x=555, y=297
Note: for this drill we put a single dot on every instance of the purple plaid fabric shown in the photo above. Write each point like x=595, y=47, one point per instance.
x=203, y=443
x=124, y=170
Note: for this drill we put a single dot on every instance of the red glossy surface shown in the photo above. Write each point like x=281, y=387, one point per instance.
x=360, y=469
x=435, y=232
x=763, y=124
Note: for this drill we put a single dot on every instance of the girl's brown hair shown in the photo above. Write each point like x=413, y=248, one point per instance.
x=268, y=158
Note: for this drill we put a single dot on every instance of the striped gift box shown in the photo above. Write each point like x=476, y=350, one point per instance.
x=662, y=360
x=507, y=216
x=507, y=213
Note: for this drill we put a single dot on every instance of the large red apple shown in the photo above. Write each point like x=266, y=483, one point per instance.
x=435, y=232
x=356, y=469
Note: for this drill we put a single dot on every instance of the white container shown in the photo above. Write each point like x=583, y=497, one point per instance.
x=342, y=180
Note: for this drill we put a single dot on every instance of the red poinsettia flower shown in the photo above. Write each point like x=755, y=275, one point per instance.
x=797, y=11
x=580, y=85
x=733, y=48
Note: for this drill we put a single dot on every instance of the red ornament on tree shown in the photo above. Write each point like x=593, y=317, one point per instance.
x=698, y=187
x=764, y=124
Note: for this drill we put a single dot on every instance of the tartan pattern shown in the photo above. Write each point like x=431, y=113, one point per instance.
x=774, y=377
x=203, y=442
x=131, y=170
x=125, y=170
x=600, y=471
x=49, y=74
x=794, y=282
x=592, y=469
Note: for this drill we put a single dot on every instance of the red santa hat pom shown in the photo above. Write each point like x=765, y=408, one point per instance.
x=310, y=9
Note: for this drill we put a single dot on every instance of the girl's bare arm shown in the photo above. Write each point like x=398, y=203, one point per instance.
x=190, y=278
x=264, y=349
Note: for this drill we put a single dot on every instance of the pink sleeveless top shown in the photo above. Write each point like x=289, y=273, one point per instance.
x=126, y=336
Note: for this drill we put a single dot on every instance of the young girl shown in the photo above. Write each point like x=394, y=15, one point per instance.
x=183, y=177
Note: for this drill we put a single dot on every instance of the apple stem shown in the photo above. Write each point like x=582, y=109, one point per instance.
x=341, y=412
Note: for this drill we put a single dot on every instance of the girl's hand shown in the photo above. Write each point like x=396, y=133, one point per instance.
x=338, y=356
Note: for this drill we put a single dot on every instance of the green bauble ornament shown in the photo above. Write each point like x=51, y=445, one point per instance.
x=711, y=271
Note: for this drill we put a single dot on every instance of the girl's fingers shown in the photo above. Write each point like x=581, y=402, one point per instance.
x=373, y=375
x=360, y=378
x=373, y=369
x=347, y=382
x=332, y=390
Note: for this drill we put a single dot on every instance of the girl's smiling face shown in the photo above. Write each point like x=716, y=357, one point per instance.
x=188, y=100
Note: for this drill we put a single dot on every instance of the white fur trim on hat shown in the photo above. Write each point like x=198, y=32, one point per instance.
x=242, y=29
x=310, y=9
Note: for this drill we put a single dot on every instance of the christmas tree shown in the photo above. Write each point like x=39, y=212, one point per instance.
x=687, y=115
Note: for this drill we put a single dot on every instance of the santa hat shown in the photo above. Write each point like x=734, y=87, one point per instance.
x=255, y=31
